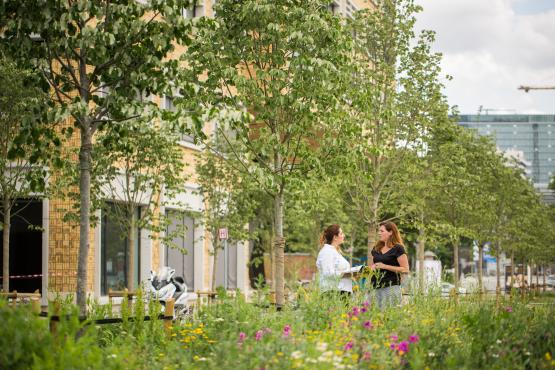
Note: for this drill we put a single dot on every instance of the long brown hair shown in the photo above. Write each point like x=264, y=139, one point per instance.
x=394, y=239
x=329, y=233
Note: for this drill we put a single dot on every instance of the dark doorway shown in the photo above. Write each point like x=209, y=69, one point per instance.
x=25, y=246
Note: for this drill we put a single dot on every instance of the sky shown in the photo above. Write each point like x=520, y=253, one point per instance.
x=490, y=48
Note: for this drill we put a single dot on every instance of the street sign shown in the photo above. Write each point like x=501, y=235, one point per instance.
x=223, y=234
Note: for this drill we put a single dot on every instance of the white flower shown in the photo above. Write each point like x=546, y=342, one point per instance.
x=113, y=355
x=322, y=346
x=431, y=354
x=498, y=341
x=296, y=354
x=311, y=360
x=219, y=319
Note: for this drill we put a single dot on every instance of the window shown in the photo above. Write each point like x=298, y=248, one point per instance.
x=334, y=8
x=180, y=251
x=169, y=103
x=350, y=9
x=195, y=10
x=115, y=261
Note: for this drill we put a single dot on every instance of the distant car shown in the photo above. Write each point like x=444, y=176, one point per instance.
x=447, y=287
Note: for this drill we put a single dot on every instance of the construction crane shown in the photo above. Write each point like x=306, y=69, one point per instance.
x=487, y=110
x=528, y=88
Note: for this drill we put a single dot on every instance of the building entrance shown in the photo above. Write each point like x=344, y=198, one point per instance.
x=25, y=246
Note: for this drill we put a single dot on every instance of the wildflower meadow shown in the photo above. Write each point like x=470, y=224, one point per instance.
x=312, y=332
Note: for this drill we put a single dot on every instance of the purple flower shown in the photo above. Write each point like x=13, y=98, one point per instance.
x=242, y=337
x=348, y=346
x=509, y=309
x=394, y=337
x=356, y=311
x=366, y=304
x=364, y=309
x=258, y=335
x=368, y=324
x=393, y=346
x=286, y=330
x=403, y=346
x=414, y=338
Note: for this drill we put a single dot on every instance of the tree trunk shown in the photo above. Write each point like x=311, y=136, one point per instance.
x=215, y=247
x=456, y=243
x=537, y=279
x=131, y=250
x=421, y=246
x=373, y=227
x=512, y=272
x=279, y=248
x=497, y=270
x=544, y=278
x=6, y=207
x=480, y=267
x=84, y=216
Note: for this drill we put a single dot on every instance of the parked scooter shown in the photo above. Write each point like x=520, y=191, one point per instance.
x=164, y=285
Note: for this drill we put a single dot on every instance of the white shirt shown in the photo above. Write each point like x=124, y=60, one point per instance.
x=331, y=266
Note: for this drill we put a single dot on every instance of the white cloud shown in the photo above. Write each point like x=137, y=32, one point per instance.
x=490, y=49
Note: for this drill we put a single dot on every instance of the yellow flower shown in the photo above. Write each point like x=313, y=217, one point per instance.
x=279, y=353
x=548, y=356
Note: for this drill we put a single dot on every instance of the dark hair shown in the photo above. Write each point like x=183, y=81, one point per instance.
x=394, y=239
x=329, y=233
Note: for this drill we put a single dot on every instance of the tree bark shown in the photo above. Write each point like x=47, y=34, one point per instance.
x=480, y=267
x=512, y=272
x=6, y=206
x=497, y=270
x=456, y=274
x=131, y=249
x=373, y=228
x=421, y=246
x=84, y=216
x=279, y=248
x=215, y=247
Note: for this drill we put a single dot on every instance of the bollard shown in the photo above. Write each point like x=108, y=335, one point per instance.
x=35, y=305
x=54, y=323
x=14, y=299
x=168, y=315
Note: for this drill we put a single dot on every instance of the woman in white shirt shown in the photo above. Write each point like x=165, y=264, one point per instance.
x=331, y=264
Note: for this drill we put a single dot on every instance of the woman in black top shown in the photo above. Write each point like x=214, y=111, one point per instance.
x=390, y=260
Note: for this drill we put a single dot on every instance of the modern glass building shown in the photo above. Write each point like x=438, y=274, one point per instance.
x=528, y=137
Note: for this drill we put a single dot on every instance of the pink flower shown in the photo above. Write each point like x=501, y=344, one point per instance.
x=394, y=337
x=368, y=324
x=242, y=337
x=348, y=346
x=356, y=311
x=366, y=356
x=258, y=335
x=403, y=346
x=366, y=303
x=286, y=330
x=509, y=309
x=414, y=338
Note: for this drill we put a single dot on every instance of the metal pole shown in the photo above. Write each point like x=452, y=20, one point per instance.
x=225, y=264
